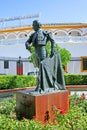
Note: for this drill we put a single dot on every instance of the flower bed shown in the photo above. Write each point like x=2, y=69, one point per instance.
x=75, y=119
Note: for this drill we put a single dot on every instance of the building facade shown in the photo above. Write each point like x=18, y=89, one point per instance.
x=16, y=66
x=72, y=36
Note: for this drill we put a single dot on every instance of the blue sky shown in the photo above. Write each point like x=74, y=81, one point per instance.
x=51, y=11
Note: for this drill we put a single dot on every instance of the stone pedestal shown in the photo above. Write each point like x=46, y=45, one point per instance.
x=41, y=106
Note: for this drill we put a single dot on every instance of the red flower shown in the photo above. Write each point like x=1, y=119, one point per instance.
x=83, y=96
x=63, y=112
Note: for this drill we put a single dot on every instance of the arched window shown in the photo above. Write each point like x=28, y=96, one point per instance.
x=60, y=33
x=74, y=33
x=22, y=35
x=11, y=36
x=2, y=37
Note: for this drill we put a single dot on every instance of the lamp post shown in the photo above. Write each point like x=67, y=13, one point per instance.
x=20, y=65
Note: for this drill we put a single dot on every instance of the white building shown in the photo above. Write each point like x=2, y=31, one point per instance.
x=72, y=36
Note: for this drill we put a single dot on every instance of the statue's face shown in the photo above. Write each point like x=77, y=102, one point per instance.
x=35, y=26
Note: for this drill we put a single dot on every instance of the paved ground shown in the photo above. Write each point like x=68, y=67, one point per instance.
x=79, y=93
x=72, y=92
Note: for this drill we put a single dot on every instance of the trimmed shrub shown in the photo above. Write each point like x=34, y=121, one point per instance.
x=10, y=82
x=74, y=79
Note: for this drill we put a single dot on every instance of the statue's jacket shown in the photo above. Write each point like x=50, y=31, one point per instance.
x=39, y=39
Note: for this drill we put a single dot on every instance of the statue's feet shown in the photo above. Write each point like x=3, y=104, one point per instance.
x=38, y=89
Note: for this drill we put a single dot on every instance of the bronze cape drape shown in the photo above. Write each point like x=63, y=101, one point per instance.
x=51, y=73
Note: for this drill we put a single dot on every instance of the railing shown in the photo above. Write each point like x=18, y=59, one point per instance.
x=58, y=39
x=13, y=41
x=71, y=39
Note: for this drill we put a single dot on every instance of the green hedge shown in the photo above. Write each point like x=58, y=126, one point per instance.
x=75, y=79
x=9, y=81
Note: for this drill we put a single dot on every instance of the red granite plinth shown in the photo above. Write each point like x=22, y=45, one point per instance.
x=41, y=106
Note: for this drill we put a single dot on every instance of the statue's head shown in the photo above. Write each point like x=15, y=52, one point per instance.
x=36, y=25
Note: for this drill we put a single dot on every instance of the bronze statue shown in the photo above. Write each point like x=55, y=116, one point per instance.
x=50, y=76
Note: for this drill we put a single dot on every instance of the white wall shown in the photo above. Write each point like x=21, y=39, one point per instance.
x=76, y=49
x=28, y=67
x=74, y=67
x=12, y=70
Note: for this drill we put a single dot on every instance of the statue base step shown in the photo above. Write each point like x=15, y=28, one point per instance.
x=41, y=106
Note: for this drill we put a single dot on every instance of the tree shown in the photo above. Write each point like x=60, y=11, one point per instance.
x=65, y=54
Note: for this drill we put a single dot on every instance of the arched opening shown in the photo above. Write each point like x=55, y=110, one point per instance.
x=74, y=33
x=11, y=36
x=22, y=35
x=60, y=33
x=2, y=37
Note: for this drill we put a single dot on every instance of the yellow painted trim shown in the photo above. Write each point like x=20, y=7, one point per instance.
x=81, y=63
x=63, y=26
x=43, y=26
x=15, y=29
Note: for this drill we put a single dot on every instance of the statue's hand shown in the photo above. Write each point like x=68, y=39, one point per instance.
x=27, y=45
x=51, y=55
